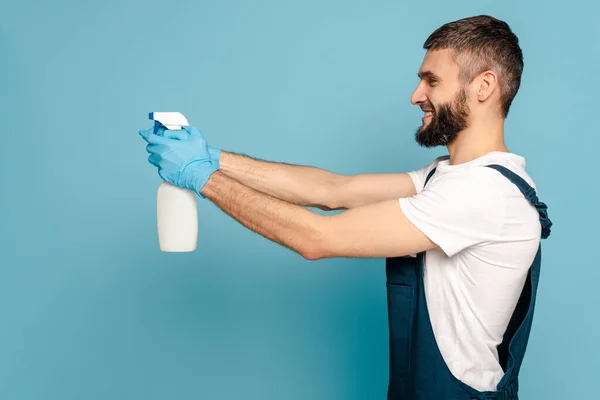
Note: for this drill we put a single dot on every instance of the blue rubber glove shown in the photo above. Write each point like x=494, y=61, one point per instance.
x=182, y=156
x=215, y=156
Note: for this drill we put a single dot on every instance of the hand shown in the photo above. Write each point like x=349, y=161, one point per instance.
x=182, y=156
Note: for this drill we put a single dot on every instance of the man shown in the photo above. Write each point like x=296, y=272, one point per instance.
x=461, y=236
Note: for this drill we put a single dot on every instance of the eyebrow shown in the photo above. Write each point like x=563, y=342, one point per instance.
x=428, y=74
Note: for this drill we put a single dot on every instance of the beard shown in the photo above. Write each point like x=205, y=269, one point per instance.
x=446, y=123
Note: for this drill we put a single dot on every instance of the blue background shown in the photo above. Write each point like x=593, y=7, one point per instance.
x=89, y=306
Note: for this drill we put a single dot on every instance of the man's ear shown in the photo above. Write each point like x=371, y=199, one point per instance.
x=487, y=83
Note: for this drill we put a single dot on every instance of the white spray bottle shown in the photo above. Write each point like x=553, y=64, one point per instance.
x=176, y=208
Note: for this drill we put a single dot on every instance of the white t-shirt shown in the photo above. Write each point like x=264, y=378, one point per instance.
x=488, y=235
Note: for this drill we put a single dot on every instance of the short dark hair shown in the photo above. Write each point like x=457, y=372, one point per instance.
x=482, y=43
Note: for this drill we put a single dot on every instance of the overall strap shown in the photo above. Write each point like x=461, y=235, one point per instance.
x=529, y=194
x=430, y=175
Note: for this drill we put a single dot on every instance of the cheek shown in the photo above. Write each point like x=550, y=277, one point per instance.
x=434, y=100
x=435, y=96
x=438, y=98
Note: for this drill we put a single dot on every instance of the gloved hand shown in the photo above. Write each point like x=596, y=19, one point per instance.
x=182, y=156
x=215, y=154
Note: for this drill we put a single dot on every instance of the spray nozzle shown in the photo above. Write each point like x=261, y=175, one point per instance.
x=170, y=120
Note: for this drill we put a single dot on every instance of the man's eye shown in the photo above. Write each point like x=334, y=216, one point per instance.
x=432, y=82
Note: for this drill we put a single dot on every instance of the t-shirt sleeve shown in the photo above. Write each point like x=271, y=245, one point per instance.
x=458, y=209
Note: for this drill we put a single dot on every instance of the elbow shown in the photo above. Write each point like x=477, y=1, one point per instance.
x=312, y=252
x=318, y=240
x=312, y=255
x=315, y=248
x=332, y=198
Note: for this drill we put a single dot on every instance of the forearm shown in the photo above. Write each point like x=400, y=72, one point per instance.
x=296, y=184
x=287, y=224
x=364, y=189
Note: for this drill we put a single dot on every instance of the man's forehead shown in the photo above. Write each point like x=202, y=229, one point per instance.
x=438, y=63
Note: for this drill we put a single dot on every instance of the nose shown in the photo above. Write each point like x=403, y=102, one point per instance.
x=418, y=96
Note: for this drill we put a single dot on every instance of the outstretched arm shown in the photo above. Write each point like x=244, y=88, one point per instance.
x=312, y=186
x=376, y=230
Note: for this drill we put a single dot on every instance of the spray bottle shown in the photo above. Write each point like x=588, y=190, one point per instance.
x=176, y=208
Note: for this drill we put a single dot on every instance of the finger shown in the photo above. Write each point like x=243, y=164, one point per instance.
x=152, y=148
x=154, y=159
x=162, y=176
x=160, y=131
x=145, y=132
x=193, y=131
x=152, y=138
x=157, y=149
x=179, y=134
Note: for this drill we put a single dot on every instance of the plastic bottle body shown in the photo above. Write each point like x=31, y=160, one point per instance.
x=177, y=216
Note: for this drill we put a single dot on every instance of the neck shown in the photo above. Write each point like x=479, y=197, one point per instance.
x=480, y=138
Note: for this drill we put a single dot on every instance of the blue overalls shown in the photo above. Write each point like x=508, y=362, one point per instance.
x=417, y=369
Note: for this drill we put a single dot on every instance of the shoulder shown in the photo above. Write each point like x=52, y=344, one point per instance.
x=420, y=175
x=469, y=186
x=513, y=162
x=477, y=173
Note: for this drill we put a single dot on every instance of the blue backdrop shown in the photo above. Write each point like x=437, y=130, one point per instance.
x=89, y=306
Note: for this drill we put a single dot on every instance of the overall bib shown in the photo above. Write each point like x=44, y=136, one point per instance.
x=417, y=369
